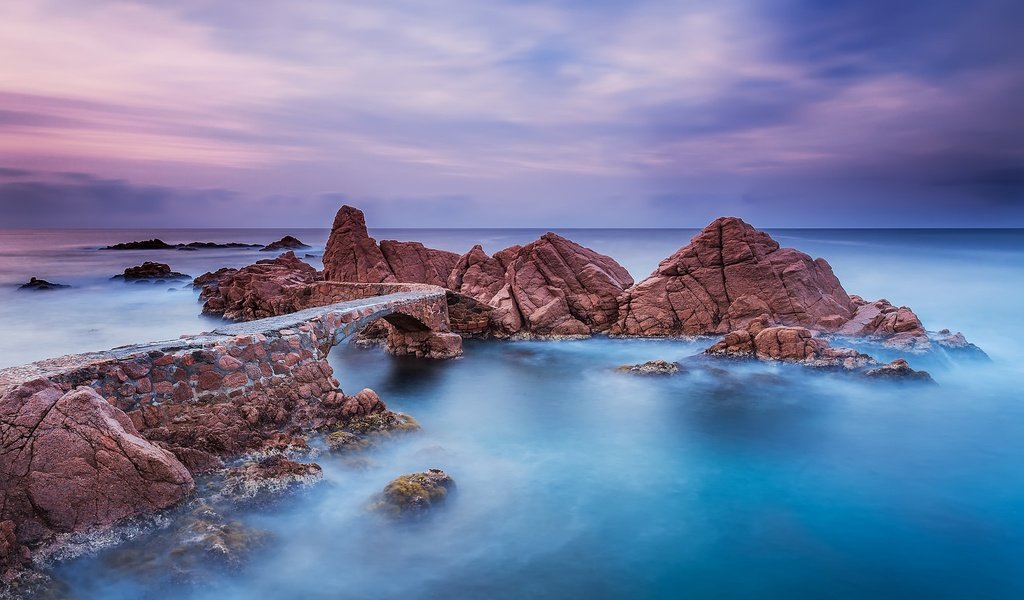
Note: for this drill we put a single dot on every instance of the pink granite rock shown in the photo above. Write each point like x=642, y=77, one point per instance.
x=264, y=289
x=790, y=344
x=729, y=274
x=898, y=327
x=351, y=254
x=71, y=461
x=412, y=262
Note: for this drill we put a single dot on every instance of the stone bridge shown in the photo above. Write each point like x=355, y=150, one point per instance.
x=282, y=358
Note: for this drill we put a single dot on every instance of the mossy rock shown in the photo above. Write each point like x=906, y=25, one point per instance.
x=381, y=423
x=415, y=495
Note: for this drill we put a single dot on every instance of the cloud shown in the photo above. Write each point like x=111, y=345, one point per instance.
x=522, y=110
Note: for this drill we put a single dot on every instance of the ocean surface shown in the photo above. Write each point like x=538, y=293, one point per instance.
x=762, y=481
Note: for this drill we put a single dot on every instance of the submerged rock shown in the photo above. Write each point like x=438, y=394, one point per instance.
x=150, y=271
x=956, y=344
x=899, y=369
x=267, y=479
x=200, y=544
x=72, y=461
x=41, y=284
x=651, y=367
x=286, y=243
x=267, y=288
x=895, y=327
x=415, y=495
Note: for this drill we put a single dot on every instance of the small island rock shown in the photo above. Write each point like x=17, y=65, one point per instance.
x=415, y=495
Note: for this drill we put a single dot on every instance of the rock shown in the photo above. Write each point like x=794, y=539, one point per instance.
x=150, y=271
x=899, y=369
x=71, y=461
x=158, y=244
x=895, y=327
x=728, y=275
x=343, y=442
x=199, y=545
x=286, y=243
x=362, y=414
x=651, y=367
x=265, y=480
x=267, y=288
x=550, y=287
x=956, y=344
x=351, y=254
x=153, y=244
x=412, y=262
x=41, y=284
x=789, y=344
x=415, y=495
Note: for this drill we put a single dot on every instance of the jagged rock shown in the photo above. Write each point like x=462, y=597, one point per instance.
x=790, y=344
x=286, y=243
x=267, y=288
x=895, y=327
x=150, y=271
x=729, y=274
x=71, y=461
x=957, y=344
x=267, y=479
x=899, y=369
x=651, y=367
x=41, y=284
x=415, y=495
x=351, y=254
x=550, y=287
x=412, y=262
x=364, y=413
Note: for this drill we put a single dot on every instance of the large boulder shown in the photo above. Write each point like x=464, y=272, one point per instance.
x=265, y=289
x=788, y=344
x=412, y=262
x=728, y=275
x=351, y=254
x=72, y=461
x=550, y=287
x=895, y=327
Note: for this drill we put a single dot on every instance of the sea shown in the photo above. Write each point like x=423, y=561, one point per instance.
x=574, y=481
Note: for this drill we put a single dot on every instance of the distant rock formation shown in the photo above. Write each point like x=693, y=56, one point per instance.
x=789, y=344
x=286, y=243
x=549, y=287
x=72, y=461
x=41, y=285
x=263, y=289
x=158, y=244
x=150, y=271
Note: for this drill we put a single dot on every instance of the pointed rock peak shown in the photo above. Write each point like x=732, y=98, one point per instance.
x=351, y=218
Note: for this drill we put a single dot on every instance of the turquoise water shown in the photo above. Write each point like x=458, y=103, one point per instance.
x=756, y=481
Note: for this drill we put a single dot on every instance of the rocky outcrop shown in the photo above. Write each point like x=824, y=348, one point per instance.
x=727, y=275
x=41, y=285
x=789, y=344
x=415, y=495
x=150, y=271
x=651, y=367
x=956, y=344
x=412, y=262
x=550, y=287
x=351, y=254
x=899, y=369
x=286, y=243
x=895, y=327
x=70, y=461
x=267, y=288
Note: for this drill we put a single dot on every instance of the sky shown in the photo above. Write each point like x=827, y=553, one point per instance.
x=477, y=113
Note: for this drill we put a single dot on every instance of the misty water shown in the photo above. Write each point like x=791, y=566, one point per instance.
x=744, y=481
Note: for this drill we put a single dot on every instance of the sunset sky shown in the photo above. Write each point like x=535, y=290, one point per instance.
x=577, y=113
